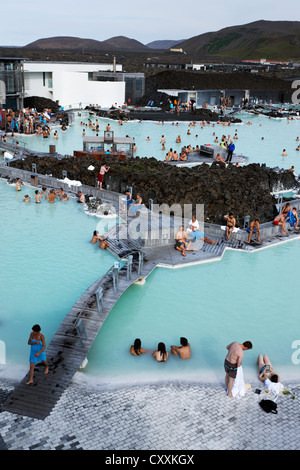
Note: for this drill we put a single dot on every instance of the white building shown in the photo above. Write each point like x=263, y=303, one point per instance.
x=71, y=84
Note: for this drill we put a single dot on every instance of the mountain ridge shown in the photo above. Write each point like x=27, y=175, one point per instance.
x=273, y=40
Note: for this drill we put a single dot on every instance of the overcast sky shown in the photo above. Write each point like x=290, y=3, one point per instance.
x=22, y=22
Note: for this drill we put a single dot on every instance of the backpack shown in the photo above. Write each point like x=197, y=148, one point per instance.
x=268, y=406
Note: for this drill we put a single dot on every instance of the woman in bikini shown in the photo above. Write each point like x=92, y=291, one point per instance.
x=160, y=354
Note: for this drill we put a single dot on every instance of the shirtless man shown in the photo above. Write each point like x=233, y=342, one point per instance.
x=230, y=224
x=233, y=360
x=18, y=184
x=254, y=227
x=183, y=351
x=51, y=196
x=81, y=197
x=182, y=237
x=280, y=220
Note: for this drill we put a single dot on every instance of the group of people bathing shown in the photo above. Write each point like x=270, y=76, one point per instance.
x=287, y=214
x=233, y=366
x=161, y=354
x=96, y=238
x=50, y=196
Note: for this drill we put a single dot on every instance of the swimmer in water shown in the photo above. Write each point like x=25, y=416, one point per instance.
x=37, y=197
x=27, y=198
x=51, y=196
x=18, y=184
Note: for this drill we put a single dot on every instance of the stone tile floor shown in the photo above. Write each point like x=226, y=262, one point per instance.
x=169, y=416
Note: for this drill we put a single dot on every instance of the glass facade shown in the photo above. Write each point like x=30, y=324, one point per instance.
x=12, y=76
x=134, y=83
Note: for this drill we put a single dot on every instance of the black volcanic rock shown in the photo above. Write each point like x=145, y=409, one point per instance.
x=241, y=190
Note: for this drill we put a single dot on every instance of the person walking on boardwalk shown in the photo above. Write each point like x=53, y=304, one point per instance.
x=37, y=351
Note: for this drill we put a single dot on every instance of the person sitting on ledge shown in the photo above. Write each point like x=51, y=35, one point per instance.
x=134, y=207
x=97, y=238
x=193, y=231
x=230, y=225
x=128, y=200
x=280, y=220
x=184, y=350
x=219, y=158
x=295, y=213
x=254, y=228
x=181, y=241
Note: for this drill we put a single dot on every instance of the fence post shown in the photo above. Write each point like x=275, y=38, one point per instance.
x=99, y=299
x=141, y=262
x=129, y=267
x=115, y=272
x=80, y=330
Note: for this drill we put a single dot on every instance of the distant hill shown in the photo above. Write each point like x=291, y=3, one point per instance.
x=276, y=40
x=163, y=44
x=118, y=43
x=122, y=43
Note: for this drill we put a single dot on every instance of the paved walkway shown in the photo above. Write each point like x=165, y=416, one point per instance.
x=170, y=416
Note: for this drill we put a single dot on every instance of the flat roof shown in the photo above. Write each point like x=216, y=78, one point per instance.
x=100, y=140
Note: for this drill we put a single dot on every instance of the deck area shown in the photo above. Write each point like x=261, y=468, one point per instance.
x=135, y=260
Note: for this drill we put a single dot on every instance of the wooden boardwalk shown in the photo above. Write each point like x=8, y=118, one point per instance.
x=68, y=348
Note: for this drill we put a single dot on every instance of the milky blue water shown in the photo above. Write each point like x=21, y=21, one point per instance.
x=246, y=296
x=47, y=262
x=42, y=272
x=277, y=134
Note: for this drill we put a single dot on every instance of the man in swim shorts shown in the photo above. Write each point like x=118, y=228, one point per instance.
x=234, y=360
x=230, y=224
x=254, y=228
x=280, y=220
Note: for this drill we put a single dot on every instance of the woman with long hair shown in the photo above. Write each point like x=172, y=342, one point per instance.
x=160, y=354
x=136, y=348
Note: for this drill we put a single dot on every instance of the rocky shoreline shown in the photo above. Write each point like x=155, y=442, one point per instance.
x=242, y=190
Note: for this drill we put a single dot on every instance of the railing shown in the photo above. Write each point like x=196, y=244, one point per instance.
x=114, y=270
x=79, y=105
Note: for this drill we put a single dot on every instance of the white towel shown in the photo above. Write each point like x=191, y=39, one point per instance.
x=235, y=229
x=238, y=388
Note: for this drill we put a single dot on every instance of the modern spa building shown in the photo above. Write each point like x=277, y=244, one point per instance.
x=213, y=97
x=71, y=84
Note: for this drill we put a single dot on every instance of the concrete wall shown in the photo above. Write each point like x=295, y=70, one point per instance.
x=69, y=84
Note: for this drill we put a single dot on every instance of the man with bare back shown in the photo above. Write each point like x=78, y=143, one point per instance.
x=234, y=360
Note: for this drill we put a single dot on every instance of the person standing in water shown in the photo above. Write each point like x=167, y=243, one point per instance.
x=37, y=352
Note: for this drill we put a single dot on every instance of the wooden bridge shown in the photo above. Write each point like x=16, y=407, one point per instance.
x=74, y=338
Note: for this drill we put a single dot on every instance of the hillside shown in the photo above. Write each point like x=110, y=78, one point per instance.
x=118, y=43
x=276, y=40
x=163, y=44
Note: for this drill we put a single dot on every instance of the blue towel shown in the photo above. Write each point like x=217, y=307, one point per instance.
x=291, y=218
